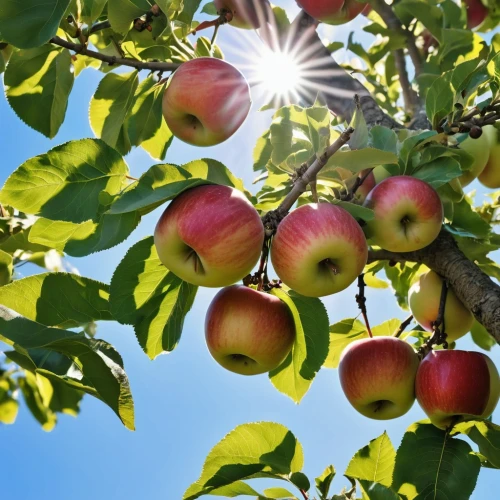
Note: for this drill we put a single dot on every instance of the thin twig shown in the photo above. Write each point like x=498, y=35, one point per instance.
x=361, y=301
x=112, y=60
x=99, y=26
x=403, y=326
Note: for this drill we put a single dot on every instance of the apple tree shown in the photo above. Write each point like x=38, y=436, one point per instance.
x=362, y=178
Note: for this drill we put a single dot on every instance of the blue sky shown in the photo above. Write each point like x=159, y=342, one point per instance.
x=185, y=402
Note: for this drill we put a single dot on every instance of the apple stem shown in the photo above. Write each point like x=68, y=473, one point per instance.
x=358, y=183
x=403, y=326
x=438, y=327
x=361, y=301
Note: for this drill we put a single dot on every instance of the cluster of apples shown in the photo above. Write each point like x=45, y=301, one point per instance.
x=382, y=376
x=212, y=236
x=486, y=152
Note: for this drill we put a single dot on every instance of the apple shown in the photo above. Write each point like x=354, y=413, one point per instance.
x=247, y=14
x=206, y=101
x=210, y=236
x=490, y=176
x=318, y=249
x=332, y=11
x=408, y=214
x=476, y=13
x=424, y=298
x=451, y=385
x=377, y=376
x=248, y=332
x=480, y=149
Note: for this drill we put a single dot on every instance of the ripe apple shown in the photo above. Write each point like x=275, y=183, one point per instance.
x=476, y=13
x=248, y=332
x=378, y=376
x=319, y=249
x=210, y=236
x=247, y=14
x=408, y=214
x=490, y=176
x=206, y=101
x=480, y=150
x=454, y=384
x=332, y=11
x=424, y=298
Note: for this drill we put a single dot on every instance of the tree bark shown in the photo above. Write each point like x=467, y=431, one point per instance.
x=479, y=293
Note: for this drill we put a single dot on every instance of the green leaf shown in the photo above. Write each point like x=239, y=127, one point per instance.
x=34, y=389
x=100, y=373
x=429, y=15
x=58, y=299
x=279, y=493
x=146, y=125
x=300, y=480
x=324, y=481
x=481, y=337
x=236, y=489
x=28, y=23
x=79, y=240
x=376, y=491
x=374, y=462
x=164, y=182
x=383, y=138
x=6, y=268
x=468, y=222
x=341, y=335
x=263, y=449
x=401, y=277
x=186, y=16
x=37, y=85
x=432, y=464
x=91, y=10
x=9, y=405
x=123, y=12
x=486, y=435
x=357, y=211
x=295, y=375
x=358, y=160
x=359, y=139
x=68, y=182
x=439, y=172
x=145, y=294
x=439, y=99
x=210, y=9
x=109, y=108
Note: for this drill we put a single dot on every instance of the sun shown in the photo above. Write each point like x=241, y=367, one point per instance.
x=279, y=73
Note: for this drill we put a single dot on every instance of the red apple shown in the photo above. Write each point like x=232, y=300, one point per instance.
x=453, y=384
x=318, y=249
x=490, y=176
x=378, y=376
x=408, y=214
x=332, y=11
x=247, y=14
x=247, y=331
x=424, y=298
x=476, y=13
x=210, y=236
x=206, y=101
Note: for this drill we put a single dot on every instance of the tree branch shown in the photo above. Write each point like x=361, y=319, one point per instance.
x=472, y=286
x=324, y=75
x=112, y=60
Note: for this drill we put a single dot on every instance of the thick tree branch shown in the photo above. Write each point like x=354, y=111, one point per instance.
x=472, y=286
x=327, y=77
x=112, y=60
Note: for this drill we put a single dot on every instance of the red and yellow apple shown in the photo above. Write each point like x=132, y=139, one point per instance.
x=424, y=298
x=332, y=11
x=247, y=14
x=378, y=376
x=476, y=13
x=408, y=214
x=206, y=101
x=480, y=150
x=451, y=385
x=210, y=236
x=490, y=176
x=318, y=249
x=248, y=332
